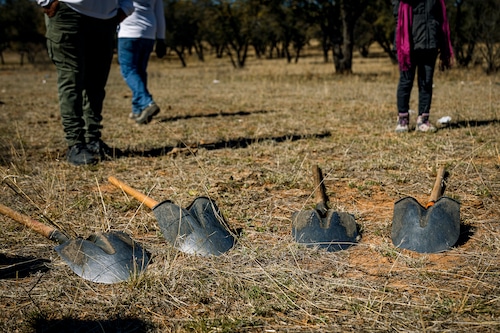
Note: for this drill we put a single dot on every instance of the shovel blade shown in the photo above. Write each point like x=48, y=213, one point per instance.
x=199, y=229
x=105, y=257
x=337, y=231
x=431, y=230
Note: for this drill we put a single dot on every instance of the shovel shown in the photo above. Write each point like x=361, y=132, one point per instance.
x=323, y=227
x=104, y=257
x=430, y=229
x=198, y=229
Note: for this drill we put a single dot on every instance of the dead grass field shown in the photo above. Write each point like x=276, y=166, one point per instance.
x=253, y=136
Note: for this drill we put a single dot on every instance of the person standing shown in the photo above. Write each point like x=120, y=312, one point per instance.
x=136, y=39
x=422, y=33
x=80, y=41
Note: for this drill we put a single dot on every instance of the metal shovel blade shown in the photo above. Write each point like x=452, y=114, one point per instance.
x=103, y=257
x=107, y=258
x=430, y=230
x=336, y=231
x=323, y=227
x=213, y=235
x=199, y=229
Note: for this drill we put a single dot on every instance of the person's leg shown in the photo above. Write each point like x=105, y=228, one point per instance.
x=149, y=107
x=133, y=56
x=66, y=51
x=426, y=66
x=145, y=49
x=65, y=48
x=99, y=45
x=128, y=59
x=403, y=95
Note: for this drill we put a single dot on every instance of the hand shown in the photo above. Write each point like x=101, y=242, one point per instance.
x=51, y=9
x=441, y=66
x=446, y=60
x=444, y=65
x=161, y=48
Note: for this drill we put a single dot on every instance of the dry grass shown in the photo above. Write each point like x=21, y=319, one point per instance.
x=253, y=138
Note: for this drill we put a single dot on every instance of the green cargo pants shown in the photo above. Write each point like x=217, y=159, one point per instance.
x=81, y=48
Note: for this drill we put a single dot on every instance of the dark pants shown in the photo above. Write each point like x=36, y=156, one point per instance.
x=81, y=48
x=423, y=63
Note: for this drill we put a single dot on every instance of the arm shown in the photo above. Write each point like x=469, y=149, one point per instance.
x=49, y=6
x=160, y=20
x=395, y=8
x=126, y=7
x=161, y=48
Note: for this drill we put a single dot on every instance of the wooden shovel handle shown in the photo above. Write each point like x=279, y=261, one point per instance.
x=320, y=194
x=437, y=190
x=34, y=225
x=149, y=202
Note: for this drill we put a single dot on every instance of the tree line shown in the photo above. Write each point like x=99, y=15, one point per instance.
x=281, y=29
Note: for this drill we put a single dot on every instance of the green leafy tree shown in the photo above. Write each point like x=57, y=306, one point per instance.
x=350, y=12
x=327, y=16
x=376, y=25
x=475, y=26
x=182, y=21
x=23, y=25
x=4, y=25
x=236, y=20
x=489, y=33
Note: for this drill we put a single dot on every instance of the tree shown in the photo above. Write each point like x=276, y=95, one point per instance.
x=350, y=11
x=327, y=15
x=182, y=26
x=302, y=25
x=376, y=24
x=465, y=33
x=236, y=20
x=476, y=32
x=4, y=38
x=488, y=32
x=23, y=24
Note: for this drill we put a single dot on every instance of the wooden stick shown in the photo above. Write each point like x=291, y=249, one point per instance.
x=149, y=202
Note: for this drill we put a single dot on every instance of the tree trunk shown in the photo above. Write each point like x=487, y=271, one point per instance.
x=325, y=47
x=198, y=47
x=180, y=54
x=343, y=61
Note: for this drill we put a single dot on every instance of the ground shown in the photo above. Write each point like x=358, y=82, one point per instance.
x=248, y=139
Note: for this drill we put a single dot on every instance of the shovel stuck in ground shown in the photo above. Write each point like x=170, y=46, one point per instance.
x=103, y=257
x=430, y=229
x=198, y=229
x=323, y=227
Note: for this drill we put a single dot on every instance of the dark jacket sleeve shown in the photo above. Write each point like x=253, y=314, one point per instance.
x=395, y=8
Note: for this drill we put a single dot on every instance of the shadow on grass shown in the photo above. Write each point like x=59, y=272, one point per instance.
x=213, y=115
x=466, y=232
x=471, y=123
x=6, y=146
x=42, y=325
x=14, y=267
x=223, y=144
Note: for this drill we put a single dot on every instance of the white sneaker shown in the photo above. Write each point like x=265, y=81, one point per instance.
x=403, y=121
x=424, y=125
x=402, y=128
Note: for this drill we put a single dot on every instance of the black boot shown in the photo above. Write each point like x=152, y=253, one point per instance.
x=78, y=154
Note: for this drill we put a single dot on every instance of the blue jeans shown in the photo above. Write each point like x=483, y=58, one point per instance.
x=133, y=56
x=423, y=63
